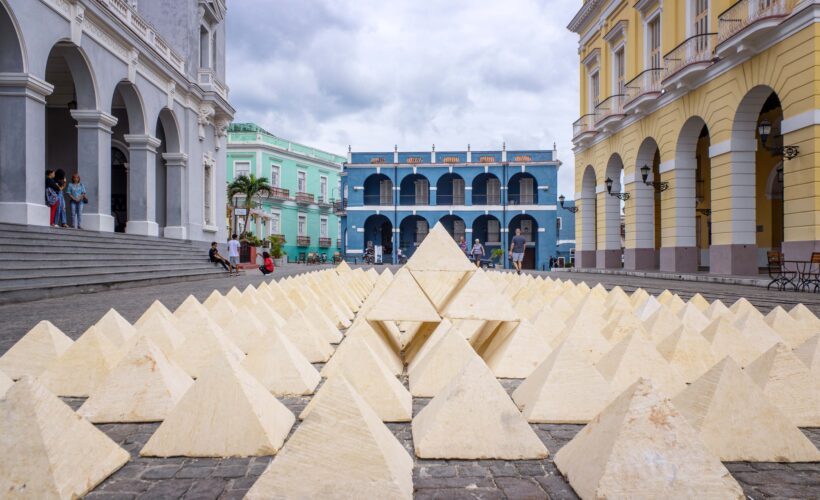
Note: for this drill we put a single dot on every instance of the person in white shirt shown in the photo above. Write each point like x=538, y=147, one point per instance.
x=233, y=254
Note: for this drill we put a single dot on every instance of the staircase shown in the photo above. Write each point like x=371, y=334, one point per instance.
x=42, y=262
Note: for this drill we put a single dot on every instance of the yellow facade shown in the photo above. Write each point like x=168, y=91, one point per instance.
x=736, y=203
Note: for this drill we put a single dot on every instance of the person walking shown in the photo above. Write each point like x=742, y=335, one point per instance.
x=77, y=198
x=233, y=253
x=462, y=244
x=267, y=266
x=52, y=192
x=517, y=246
x=215, y=257
x=60, y=217
x=477, y=252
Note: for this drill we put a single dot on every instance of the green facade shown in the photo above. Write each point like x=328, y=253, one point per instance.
x=253, y=149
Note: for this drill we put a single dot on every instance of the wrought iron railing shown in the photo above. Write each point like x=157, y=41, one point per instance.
x=611, y=106
x=324, y=202
x=647, y=82
x=279, y=193
x=747, y=12
x=522, y=199
x=325, y=242
x=584, y=124
x=693, y=50
x=303, y=241
x=338, y=243
x=304, y=198
x=486, y=199
x=412, y=199
x=450, y=199
x=377, y=199
x=339, y=206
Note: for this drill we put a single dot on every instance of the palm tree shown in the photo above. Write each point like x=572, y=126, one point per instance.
x=250, y=187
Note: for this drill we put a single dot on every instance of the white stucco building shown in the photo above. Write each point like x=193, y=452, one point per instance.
x=130, y=94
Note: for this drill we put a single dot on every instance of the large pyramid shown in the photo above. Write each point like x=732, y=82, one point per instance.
x=443, y=357
x=143, y=387
x=204, y=341
x=47, y=450
x=281, y=367
x=33, y=353
x=641, y=447
x=474, y=418
x=355, y=457
x=712, y=405
x=226, y=413
x=81, y=368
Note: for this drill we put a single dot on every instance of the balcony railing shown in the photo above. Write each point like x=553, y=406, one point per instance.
x=611, y=106
x=450, y=199
x=647, y=82
x=747, y=12
x=522, y=199
x=207, y=79
x=583, y=125
x=325, y=242
x=304, y=198
x=303, y=241
x=412, y=199
x=694, y=50
x=377, y=199
x=338, y=243
x=279, y=193
x=339, y=206
x=324, y=203
x=486, y=199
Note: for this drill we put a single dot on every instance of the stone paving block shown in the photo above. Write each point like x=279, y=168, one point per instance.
x=472, y=471
x=208, y=489
x=519, y=488
x=160, y=472
x=167, y=489
x=124, y=486
x=242, y=483
x=505, y=470
x=458, y=494
x=230, y=471
x=453, y=482
x=102, y=495
x=195, y=472
x=438, y=471
x=556, y=487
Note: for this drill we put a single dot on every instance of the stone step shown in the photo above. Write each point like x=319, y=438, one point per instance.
x=78, y=241
x=33, y=231
x=92, y=261
x=122, y=269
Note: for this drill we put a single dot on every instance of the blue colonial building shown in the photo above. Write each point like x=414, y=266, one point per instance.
x=394, y=198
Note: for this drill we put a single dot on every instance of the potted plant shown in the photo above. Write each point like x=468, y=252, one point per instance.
x=276, y=250
x=254, y=243
x=496, y=256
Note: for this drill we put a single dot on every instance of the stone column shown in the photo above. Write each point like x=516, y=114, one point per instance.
x=640, y=224
x=801, y=182
x=585, y=230
x=142, y=182
x=679, y=253
x=608, y=255
x=734, y=228
x=94, y=164
x=22, y=149
x=175, y=164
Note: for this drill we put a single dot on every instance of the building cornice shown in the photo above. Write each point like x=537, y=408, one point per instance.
x=247, y=146
x=585, y=14
x=556, y=163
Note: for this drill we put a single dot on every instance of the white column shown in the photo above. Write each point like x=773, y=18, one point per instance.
x=94, y=164
x=175, y=164
x=142, y=173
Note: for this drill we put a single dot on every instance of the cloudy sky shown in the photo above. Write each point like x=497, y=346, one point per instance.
x=374, y=73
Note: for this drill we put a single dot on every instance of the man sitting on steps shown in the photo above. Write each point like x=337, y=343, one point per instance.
x=215, y=257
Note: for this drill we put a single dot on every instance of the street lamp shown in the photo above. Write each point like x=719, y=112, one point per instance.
x=658, y=186
x=568, y=209
x=764, y=129
x=620, y=196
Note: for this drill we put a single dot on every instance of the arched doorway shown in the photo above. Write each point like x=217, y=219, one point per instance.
x=378, y=231
x=455, y=226
x=412, y=231
x=769, y=177
x=450, y=190
x=131, y=174
x=414, y=190
x=522, y=189
x=119, y=186
x=529, y=230
x=611, y=239
x=378, y=190
x=643, y=237
x=170, y=176
x=585, y=254
x=486, y=190
x=487, y=229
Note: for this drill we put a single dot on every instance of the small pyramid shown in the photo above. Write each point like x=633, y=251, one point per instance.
x=564, y=389
x=357, y=455
x=162, y=332
x=809, y=354
x=661, y=323
x=756, y=332
x=474, y=418
x=480, y=299
x=621, y=326
x=635, y=357
x=689, y=353
x=116, y=328
x=517, y=353
x=226, y=413
x=641, y=447
x=5, y=384
x=373, y=381
x=204, y=342
x=244, y=329
x=221, y=309
x=645, y=309
x=763, y=434
x=439, y=252
x=281, y=367
x=700, y=302
x=376, y=342
x=446, y=353
x=188, y=306
x=743, y=306
x=693, y=318
x=343, y=267
x=792, y=331
x=156, y=307
x=403, y=300
x=727, y=340
x=322, y=325
x=804, y=315
x=143, y=387
x=47, y=450
x=35, y=351
x=718, y=310
x=441, y=286
x=80, y=369
x=789, y=384
x=309, y=342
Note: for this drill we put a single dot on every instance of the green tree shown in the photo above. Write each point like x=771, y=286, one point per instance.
x=250, y=187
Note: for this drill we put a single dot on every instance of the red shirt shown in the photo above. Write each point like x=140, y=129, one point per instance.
x=269, y=264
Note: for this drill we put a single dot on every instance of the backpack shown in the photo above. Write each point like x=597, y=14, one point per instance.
x=51, y=197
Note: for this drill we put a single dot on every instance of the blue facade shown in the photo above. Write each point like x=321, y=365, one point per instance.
x=394, y=198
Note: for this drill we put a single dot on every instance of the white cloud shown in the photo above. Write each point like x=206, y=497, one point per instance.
x=372, y=74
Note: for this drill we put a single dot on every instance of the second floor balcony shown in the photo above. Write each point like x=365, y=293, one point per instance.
x=303, y=241
x=747, y=21
x=339, y=207
x=325, y=242
x=643, y=89
x=324, y=203
x=384, y=199
x=584, y=128
x=689, y=59
x=278, y=193
x=304, y=199
x=609, y=112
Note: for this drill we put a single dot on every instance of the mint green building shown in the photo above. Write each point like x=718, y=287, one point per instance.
x=306, y=198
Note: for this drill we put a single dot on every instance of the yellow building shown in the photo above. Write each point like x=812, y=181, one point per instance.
x=705, y=115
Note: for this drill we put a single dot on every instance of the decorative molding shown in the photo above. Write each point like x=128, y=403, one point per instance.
x=617, y=33
x=584, y=15
x=205, y=118
x=592, y=59
x=803, y=120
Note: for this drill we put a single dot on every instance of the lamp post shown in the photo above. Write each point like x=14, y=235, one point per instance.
x=658, y=186
x=764, y=129
x=568, y=209
x=620, y=196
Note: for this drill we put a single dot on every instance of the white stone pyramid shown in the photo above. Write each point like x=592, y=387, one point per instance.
x=204, y=341
x=635, y=357
x=162, y=332
x=640, y=446
x=445, y=355
x=809, y=354
x=156, y=307
x=81, y=368
x=47, y=450
x=474, y=418
x=116, y=328
x=309, y=342
x=792, y=331
x=226, y=413
x=564, y=389
x=281, y=367
x=689, y=353
x=5, y=384
x=439, y=252
x=379, y=344
x=143, y=387
x=373, y=381
x=356, y=457
x=515, y=354
x=713, y=403
x=35, y=351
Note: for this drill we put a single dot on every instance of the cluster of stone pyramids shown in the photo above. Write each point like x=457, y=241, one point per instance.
x=668, y=389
